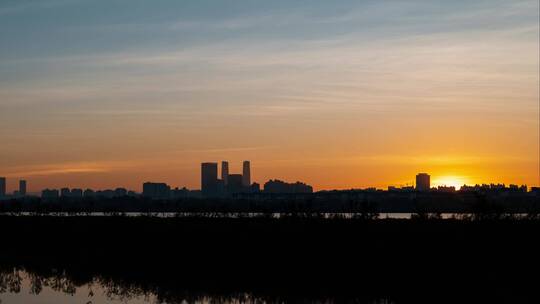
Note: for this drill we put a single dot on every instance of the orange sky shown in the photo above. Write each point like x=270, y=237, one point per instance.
x=341, y=95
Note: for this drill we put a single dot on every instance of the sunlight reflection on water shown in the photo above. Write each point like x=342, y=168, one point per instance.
x=60, y=292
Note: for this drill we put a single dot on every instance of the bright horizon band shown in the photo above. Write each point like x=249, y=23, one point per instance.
x=230, y=183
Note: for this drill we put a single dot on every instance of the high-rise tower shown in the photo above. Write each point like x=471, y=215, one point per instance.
x=423, y=182
x=246, y=174
x=2, y=186
x=236, y=184
x=225, y=172
x=22, y=187
x=209, y=180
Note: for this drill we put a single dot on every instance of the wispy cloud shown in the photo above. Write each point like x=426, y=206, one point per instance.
x=228, y=149
x=56, y=169
x=427, y=161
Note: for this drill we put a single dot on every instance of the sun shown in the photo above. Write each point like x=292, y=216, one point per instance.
x=449, y=181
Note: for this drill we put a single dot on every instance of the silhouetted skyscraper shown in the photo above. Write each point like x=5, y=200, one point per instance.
x=423, y=182
x=2, y=186
x=225, y=172
x=22, y=187
x=246, y=174
x=209, y=180
x=235, y=184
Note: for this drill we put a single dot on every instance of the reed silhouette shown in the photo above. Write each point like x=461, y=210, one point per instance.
x=294, y=258
x=365, y=202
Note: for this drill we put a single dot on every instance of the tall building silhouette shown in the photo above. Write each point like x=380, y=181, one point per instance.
x=246, y=174
x=22, y=187
x=209, y=179
x=225, y=172
x=2, y=186
x=423, y=182
x=235, y=184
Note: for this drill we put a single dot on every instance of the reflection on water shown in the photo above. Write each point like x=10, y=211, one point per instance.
x=295, y=260
x=22, y=287
x=19, y=286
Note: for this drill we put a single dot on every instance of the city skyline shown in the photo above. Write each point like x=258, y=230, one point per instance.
x=42, y=182
x=214, y=178
x=341, y=94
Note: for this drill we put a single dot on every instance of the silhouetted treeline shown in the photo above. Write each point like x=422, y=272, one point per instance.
x=332, y=201
x=291, y=259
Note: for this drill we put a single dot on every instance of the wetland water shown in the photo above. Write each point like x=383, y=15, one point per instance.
x=142, y=259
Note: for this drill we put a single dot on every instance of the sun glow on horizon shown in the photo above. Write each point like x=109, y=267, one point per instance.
x=450, y=181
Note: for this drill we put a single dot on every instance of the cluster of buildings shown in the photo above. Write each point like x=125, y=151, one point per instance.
x=164, y=191
x=228, y=184
x=223, y=184
x=77, y=193
x=16, y=193
x=423, y=184
x=277, y=186
x=211, y=184
x=498, y=188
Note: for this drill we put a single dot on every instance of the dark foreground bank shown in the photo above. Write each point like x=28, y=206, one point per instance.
x=288, y=259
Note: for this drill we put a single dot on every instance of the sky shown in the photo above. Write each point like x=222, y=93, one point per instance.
x=338, y=94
